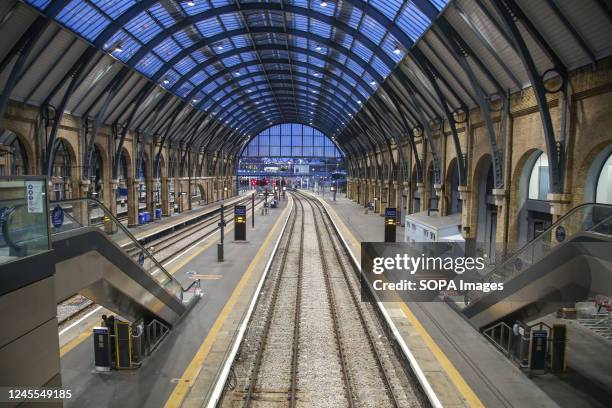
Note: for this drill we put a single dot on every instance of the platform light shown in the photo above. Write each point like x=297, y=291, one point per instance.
x=220, y=47
x=359, y=102
x=312, y=103
x=195, y=100
x=237, y=73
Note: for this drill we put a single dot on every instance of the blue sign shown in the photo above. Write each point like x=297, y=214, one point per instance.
x=240, y=210
x=57, y=216
x=141, y=259
x=391, y=212
x=560, y=233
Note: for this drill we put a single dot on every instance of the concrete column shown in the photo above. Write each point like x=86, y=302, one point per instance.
x=80, y=210
x=423, y=195
x=441, y=199
x=114, y=185
x=132, y=186
x=184, y=193
x=149, y=185
x=396, y=197
x=465, y=197
x=165, y=201
x=192, y=191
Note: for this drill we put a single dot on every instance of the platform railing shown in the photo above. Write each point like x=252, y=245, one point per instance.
x=591, y=217
x=84, y=212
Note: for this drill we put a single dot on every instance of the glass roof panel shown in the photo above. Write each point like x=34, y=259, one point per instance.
x=83, y=18
x=143, y=27
x=113, y=8
x=157, y=33
x=127, y=44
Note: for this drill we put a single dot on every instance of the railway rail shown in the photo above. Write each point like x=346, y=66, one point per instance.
x=311, y=341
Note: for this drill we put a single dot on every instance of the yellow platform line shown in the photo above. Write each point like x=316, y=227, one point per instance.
x=191, y=372
x=66, y=348
x=457, y=379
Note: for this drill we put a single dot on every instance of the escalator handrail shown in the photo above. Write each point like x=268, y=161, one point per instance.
x=561, y=220
x=134, y=240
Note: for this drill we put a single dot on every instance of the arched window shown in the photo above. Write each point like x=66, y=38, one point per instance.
x=13, y=158
x=96, y=171
x=62, y=166
x=603, y=192
x=538, y=180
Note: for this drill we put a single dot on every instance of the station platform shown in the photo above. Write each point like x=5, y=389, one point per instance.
x=197, y=344
x=463, y=368
x=150, y=229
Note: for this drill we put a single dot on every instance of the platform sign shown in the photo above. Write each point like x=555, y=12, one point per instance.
x=390, y=223
x=34, y=196
x=57, y=216
x=102, y=348
x=537, y=355
x=240, y=222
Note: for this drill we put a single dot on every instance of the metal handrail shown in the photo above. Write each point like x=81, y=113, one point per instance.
x=490, y=276
x=562, y=219
x=134, y=240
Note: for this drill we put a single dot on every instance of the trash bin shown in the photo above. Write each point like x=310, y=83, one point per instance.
x=109, y=225
x=158, y=213
x=147, y=216
x=141, y=218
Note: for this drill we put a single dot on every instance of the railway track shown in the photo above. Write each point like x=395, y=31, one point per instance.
x=311, y=341
x=169, y=246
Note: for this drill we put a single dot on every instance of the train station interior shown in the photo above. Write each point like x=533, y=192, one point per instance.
x=207, y=203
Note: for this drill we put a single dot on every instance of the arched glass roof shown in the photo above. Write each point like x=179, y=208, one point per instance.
x=307, y=60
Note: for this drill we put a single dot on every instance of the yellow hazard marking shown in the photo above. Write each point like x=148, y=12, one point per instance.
x=77, y=340
x=466, y=391
x=193, y=369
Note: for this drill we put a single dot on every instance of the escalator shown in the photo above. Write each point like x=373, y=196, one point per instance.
x=569, y=262
x=104, y=262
